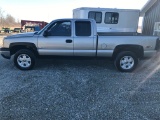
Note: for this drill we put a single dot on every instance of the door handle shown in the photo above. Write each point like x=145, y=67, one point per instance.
x=68, y=41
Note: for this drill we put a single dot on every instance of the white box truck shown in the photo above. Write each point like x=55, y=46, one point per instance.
x=111, y=20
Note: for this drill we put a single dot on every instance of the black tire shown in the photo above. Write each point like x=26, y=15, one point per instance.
x=24, y=59
x=126, y=61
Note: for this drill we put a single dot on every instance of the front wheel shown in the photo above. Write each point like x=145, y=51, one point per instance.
x=126, y=61
x=24, y=59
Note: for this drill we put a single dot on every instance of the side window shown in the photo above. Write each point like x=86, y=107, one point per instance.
x=97, y=16
x=111, y=18
x=83, y=28
x=60, y=28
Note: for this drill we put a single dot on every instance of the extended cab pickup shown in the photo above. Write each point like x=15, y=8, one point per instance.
x=77, y=37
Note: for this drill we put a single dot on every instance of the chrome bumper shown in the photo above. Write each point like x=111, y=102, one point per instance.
x=150, y=53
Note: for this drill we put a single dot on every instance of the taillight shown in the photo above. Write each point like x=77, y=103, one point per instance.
x=157, y=44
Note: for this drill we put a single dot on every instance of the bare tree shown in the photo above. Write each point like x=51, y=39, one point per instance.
x=9, y=21
x=1, y=18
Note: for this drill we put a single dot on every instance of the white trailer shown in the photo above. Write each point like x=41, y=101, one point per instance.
x=156, y=31
x=110, y=20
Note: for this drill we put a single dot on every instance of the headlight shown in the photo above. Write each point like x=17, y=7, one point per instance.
x=1, y=41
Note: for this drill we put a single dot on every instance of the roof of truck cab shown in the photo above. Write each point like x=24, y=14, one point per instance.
x=73, y=19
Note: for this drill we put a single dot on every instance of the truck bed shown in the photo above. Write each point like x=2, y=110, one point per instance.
x=119, y=34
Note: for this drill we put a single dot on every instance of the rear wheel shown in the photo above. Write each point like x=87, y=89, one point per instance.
x=126, y=61
x=24, y=59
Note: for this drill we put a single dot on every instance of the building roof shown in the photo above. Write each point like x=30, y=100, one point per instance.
x=147, y=6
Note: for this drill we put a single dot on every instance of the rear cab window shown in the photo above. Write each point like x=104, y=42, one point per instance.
x=82, y=28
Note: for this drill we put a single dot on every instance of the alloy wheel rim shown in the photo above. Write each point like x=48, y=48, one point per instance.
x=24, y=61
x=127, y=62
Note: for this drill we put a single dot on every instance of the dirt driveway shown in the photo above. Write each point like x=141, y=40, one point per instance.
x=79, y=90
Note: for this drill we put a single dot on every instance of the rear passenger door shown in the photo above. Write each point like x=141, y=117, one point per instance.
x=84, y=39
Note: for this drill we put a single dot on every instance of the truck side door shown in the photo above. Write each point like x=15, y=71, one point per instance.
x=58, y=41
x=84, y=40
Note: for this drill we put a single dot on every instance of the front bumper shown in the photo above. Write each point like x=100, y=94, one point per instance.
x=5, y=52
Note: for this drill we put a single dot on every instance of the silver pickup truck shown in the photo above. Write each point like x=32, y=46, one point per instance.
x=77, y=37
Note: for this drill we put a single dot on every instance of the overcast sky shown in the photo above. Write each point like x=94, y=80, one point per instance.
x=47, y=10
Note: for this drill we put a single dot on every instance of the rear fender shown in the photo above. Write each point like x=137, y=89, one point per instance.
x=137, y=49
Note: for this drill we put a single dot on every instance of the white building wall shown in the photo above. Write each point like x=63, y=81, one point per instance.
x=150, y=17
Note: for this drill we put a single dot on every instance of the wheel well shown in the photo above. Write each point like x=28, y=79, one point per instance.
x=137, y=49
x=14, y=47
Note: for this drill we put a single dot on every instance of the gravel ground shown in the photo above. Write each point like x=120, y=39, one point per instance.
x=79, y=90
